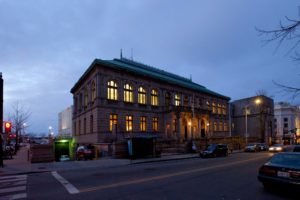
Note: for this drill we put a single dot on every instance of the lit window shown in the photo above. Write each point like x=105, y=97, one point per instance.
x=214, y=108
x=154, y=98
x=128, y=123
x=113, y=119
x=219, y=109
x=177, y=100
x=86, y=97
x=93, y=89
x=141, y=95
x=225, y=126
x=215, y=126
x=220, y=126
x=128, y=94
x=208, y=105
x=224, y=110
x=155, y=124
x=112, y=90
x=143, y=124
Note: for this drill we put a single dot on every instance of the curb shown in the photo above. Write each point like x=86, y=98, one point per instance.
x=163, y=160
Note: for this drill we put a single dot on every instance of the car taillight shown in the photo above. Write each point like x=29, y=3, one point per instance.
x=295, y=174
x=267, y=170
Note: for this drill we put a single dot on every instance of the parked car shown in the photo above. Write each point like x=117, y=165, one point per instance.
x=263, y=146
x=64, y=158
x=252, y=147
x=292, y=148
x=276, y=148
x=283, y=169
x=214, y=150
x=83, y=152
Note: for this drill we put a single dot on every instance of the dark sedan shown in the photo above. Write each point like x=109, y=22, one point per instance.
x=283, y=169
x=214, y=150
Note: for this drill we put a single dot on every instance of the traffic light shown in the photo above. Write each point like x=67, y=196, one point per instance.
x=7, y=127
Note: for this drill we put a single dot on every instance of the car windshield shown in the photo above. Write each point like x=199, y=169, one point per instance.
x=286, y=159
x=211, y=147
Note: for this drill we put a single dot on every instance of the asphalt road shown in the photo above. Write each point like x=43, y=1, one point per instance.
x=232, y=177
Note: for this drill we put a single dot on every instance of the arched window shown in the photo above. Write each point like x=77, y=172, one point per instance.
x=86, y=97
x=128, y=95
x=168, y=99
x=154, y=97
x=93, y=91
x=177, y=100
x=112, y=90
x=141, y=95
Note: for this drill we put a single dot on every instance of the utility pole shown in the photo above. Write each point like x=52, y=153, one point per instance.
x=1, y=120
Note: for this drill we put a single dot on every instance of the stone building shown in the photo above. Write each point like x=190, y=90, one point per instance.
x=118, y=98
x=253, y=118
x=287, y=123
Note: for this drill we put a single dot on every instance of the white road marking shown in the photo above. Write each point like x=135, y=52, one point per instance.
x=21, y=182
x=13, y=177
x=15, y=196
x=13, y=189
x=10, y=180
x=69, y=187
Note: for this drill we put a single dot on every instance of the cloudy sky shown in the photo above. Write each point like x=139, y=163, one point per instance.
x=45, y=46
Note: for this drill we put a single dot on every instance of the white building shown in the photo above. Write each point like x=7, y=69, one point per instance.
x=287, y=123
x=65, y=123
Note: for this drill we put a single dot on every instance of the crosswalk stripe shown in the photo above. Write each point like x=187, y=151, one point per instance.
x=13, y=177
x=10, y=180
x=22, y=182
x=13, y=189
x=69, y=187
x=15, y=196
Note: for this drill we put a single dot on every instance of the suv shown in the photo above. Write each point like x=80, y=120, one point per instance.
x=214, y=150
x=83, y=152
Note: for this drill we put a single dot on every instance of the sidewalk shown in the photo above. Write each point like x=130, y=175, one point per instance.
x=20, y=165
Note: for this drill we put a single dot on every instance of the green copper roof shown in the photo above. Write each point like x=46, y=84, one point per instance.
x=152, y=72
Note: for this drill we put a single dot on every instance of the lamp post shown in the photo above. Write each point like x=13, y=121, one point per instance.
x=207, y=134
x=246, y=124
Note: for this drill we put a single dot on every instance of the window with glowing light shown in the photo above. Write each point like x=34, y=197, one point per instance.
x=177, y=100
x=224, y=110
x=128, y=93
x=113, y=119
x=112, y=90
x=219, y=109
x=141, y=95
x=225, y=126
x=214, y=108
x=154, y=97
x=220, y=126
x=129, y=123
x=215, y=126
x=143, y=124
x=208, y=105
x=155, y=124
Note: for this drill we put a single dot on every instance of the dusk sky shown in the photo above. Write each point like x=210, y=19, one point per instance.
x=47, y=45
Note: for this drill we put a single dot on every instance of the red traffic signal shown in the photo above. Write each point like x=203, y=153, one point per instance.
x=7, y=127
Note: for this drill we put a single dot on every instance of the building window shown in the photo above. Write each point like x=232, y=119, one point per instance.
x=220, y=126
x=214, y=108
x=86, y=97
x=168, y=99
x=128, y=94
x=91, y=124
x=215, y=126
x=79, y=127
x=93, y=91
x=286, y=125
x=285, y=119
x=174, y=125
x=219, y=109
x=113, y=119
x=112, y=90
x=177, y=100
x=141, y=95
x=155, y=124
x=225, y=126
x=129, y=123
x=154, y=97
x=224, y=110
x=208, y=105
x=84, y=126
x=186, y=101
x=143, y=124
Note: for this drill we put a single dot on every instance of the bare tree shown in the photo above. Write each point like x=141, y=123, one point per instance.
x=19, y=119
x=288, y=32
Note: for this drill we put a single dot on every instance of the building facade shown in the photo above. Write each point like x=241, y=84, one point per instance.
x=287, y=123
x=253, y=118
x=118, y=98
x=65, y=123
